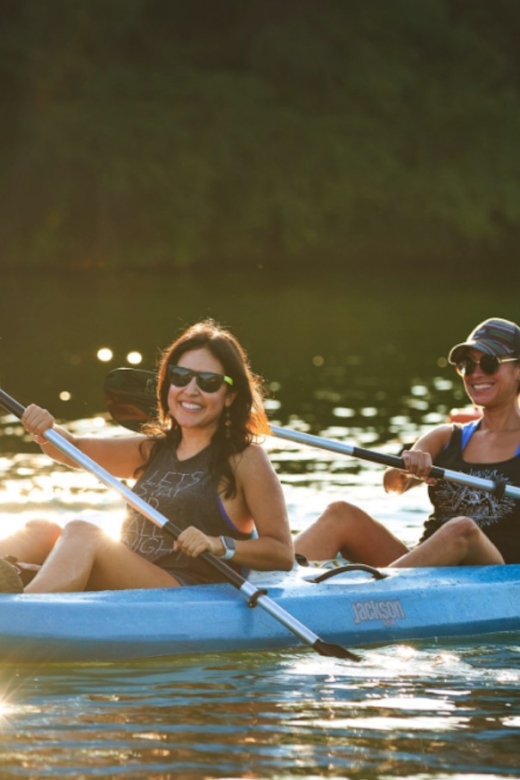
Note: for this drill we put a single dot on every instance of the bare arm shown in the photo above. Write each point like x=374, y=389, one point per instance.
x=120, y=456
x=418, y=461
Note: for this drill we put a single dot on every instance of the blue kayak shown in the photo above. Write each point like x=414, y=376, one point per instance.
x=352, y=607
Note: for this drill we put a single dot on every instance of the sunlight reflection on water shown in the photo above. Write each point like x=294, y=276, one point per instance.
x=421, y=712
x=33, y=486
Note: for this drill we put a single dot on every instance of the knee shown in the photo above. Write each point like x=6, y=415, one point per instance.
x=461, y=529
x=47, y=533
x=340, y=510
x=332, y=518
x=82, y=530
x=342, y=513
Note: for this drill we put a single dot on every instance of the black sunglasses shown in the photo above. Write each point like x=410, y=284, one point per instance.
x=207, y=381
x=489, y=364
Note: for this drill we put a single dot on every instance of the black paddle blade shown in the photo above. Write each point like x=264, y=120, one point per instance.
x=131, y=396
x=334, y=651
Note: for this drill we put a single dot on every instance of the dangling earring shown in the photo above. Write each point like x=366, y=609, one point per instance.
x=227, y=423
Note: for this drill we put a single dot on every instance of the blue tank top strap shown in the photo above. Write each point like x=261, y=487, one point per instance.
x=467, y=432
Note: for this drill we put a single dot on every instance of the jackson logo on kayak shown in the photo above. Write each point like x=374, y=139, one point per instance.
x=388, y=612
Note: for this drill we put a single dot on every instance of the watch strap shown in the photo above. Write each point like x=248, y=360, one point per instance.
x=230, y=547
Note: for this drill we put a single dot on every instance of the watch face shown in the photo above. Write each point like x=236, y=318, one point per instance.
x=229, y=543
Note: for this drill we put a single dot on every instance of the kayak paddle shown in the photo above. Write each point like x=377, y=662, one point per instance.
x=130, y=397
x=254, y=596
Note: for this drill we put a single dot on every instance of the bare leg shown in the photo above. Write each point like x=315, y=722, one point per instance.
x=84, y=557
x=459, y=542
x=32, y=543
x=346, y=529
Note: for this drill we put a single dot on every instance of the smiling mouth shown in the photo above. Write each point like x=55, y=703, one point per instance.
x=190, y=406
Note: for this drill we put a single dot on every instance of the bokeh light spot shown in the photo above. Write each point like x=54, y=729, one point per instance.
x=105, y=354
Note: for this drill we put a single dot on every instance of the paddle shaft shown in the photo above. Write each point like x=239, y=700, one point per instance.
x=499, y=488
x=253, y=595
x=135, y=387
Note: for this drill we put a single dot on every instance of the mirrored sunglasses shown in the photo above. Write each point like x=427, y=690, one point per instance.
x=207, y=381
x=489, y=364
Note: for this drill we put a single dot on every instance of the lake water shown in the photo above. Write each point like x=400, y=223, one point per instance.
x=361, y=361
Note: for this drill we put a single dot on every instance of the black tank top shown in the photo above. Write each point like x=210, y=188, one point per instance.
x=498, y=518
x=185, y=492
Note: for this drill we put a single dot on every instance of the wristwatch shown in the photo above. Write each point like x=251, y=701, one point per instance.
x=230, y=547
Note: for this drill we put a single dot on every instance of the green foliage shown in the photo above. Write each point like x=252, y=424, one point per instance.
x=160, y=134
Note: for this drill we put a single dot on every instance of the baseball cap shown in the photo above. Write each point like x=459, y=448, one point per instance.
x=495, y=336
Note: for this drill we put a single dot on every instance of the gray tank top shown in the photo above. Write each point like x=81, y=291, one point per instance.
x=185, y=492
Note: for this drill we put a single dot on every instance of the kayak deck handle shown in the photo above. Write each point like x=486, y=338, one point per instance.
x=376, y=574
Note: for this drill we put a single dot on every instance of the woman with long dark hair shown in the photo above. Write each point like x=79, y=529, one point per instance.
x=199, y=464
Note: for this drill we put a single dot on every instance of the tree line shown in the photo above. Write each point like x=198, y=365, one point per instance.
x=339, y=134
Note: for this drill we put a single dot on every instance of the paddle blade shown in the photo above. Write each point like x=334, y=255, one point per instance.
x=131, y=396
x=334, y=651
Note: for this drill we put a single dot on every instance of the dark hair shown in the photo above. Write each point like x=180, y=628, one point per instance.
x=247, y=419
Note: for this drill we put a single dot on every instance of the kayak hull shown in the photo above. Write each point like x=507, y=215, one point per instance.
x=351, y=608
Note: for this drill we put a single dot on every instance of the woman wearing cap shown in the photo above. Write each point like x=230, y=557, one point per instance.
x=466, y=526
